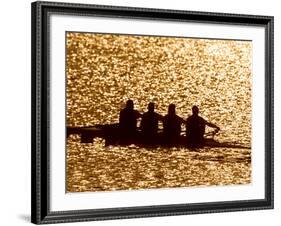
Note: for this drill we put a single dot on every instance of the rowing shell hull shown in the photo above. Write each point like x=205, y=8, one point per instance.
x=111, y=134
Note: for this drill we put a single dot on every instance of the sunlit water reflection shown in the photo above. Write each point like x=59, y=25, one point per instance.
x=93, y=167
x=104, y=71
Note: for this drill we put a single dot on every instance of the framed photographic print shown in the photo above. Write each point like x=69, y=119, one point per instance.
x=149, y=112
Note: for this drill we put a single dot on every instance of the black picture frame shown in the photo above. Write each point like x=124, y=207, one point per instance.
x=40, y=208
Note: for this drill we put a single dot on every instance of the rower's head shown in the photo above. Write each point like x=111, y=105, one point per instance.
x=130, y=104
x=195, y=110
x=151, y=107
x=172, y=109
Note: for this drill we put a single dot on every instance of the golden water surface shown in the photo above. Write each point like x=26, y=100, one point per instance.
x=105, y=70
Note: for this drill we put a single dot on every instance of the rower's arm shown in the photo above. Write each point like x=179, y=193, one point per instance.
x=212, y=125
x=160, y=117
x=138, y=115
x=182, y=121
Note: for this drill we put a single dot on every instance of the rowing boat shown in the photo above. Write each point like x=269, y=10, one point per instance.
x=111, y=134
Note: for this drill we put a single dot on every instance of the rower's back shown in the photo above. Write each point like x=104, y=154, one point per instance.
x=195, y=127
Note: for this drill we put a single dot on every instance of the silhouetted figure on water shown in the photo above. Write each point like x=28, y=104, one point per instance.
x=149, y=125
x=172, y=126
x=128, y=122
x=195, y=127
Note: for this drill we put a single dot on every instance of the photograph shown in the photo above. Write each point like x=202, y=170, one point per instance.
x=147, y=112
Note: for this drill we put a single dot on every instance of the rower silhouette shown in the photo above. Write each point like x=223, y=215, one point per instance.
x=128, y=123
x=195, y=127
x=149, y=125
x=172, y=126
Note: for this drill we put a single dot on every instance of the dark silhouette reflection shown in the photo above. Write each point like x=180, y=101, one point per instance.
x=172, y=126
x=128, y=123
x=195, y=128
x=149, y=125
